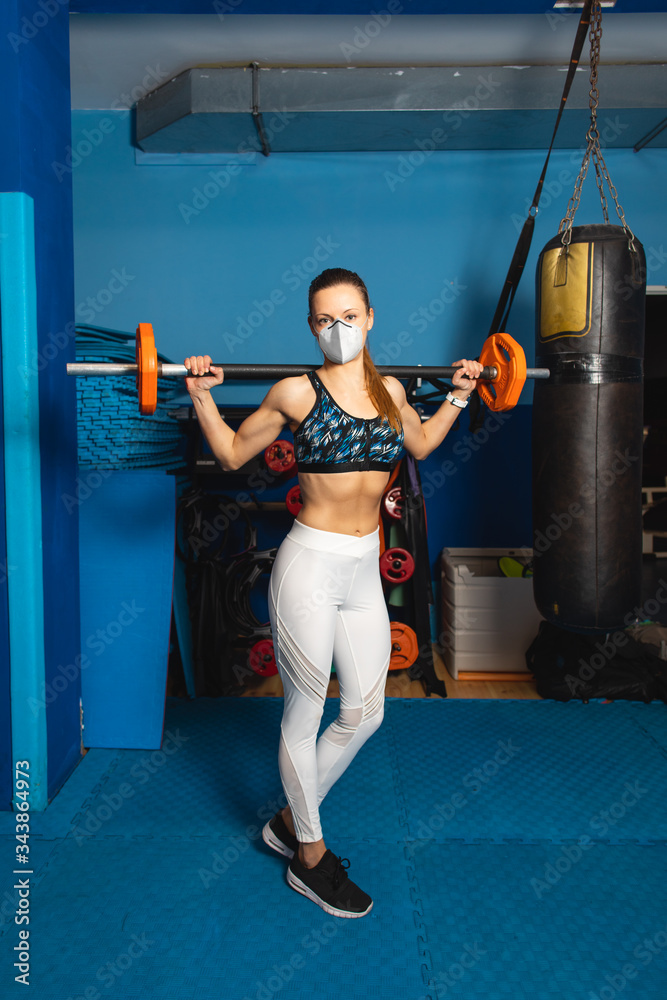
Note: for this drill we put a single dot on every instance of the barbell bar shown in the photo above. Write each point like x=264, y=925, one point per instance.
x=267, y=373
x=503, y=359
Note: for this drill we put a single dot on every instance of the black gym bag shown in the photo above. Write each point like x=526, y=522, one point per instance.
x=570, y=665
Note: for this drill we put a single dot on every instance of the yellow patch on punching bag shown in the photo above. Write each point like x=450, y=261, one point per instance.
x=566, y=292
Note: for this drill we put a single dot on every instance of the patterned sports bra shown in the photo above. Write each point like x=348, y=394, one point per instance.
x=330, y=440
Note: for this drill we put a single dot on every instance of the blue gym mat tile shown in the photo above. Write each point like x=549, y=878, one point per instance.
x=222, y=751
x=11, y=875
x=531, y=922
x=83, y=783
x=153, y=919
x=651, y=718
x=527, y=771
x=227, y=749
x=520, y=910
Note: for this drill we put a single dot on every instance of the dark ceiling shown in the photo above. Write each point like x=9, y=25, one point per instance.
x=342, y=6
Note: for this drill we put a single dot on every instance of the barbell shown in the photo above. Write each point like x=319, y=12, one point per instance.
x=500, y=383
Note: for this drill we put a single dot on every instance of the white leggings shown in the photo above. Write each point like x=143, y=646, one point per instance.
x=326, y=603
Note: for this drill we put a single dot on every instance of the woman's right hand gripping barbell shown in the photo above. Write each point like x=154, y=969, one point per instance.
x=199, y=365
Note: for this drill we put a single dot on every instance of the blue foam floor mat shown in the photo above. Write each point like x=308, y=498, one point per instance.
x=513, y=849
x=530, y=771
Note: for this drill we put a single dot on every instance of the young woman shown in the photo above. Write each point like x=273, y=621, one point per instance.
x=350, y=421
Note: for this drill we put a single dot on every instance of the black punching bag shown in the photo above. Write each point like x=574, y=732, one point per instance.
x=588, y=429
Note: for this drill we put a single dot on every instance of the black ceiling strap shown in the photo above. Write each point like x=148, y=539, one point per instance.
x=525, y=237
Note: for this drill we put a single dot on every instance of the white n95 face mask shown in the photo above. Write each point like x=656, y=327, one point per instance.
x=341, y=341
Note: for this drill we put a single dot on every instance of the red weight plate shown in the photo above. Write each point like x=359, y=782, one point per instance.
x=262, y=658
x=395, y=471
x=279, y=457
x=393, y=502
x=396, y=565
x=293, y=500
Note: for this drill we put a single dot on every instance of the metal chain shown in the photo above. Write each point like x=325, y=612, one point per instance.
x=593, y=150
x=593, y=136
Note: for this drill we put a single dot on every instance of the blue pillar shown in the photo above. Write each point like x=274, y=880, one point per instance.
x=35, y=125
x=23, y=494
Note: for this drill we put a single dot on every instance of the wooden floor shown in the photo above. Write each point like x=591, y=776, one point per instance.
x=399, y=685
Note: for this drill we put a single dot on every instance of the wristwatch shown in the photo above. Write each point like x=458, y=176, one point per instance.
x=461, y=403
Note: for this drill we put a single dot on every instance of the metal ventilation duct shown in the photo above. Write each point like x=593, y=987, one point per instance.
x=236, y=109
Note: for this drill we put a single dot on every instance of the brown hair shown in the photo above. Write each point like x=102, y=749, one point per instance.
x=379, y=394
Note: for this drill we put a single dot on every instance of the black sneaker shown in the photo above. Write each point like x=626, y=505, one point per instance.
x=277, y=836
x=328, y=885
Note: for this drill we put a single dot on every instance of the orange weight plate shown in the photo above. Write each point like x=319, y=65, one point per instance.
x=404, y=646
x=503, y=353
x=146, y=354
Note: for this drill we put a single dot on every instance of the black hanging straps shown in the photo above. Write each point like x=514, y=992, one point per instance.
x=520, y=255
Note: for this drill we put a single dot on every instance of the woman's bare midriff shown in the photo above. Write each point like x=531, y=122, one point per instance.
x=346, y=502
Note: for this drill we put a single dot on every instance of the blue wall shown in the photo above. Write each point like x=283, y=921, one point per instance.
x=194, y=248
x=35, y=128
